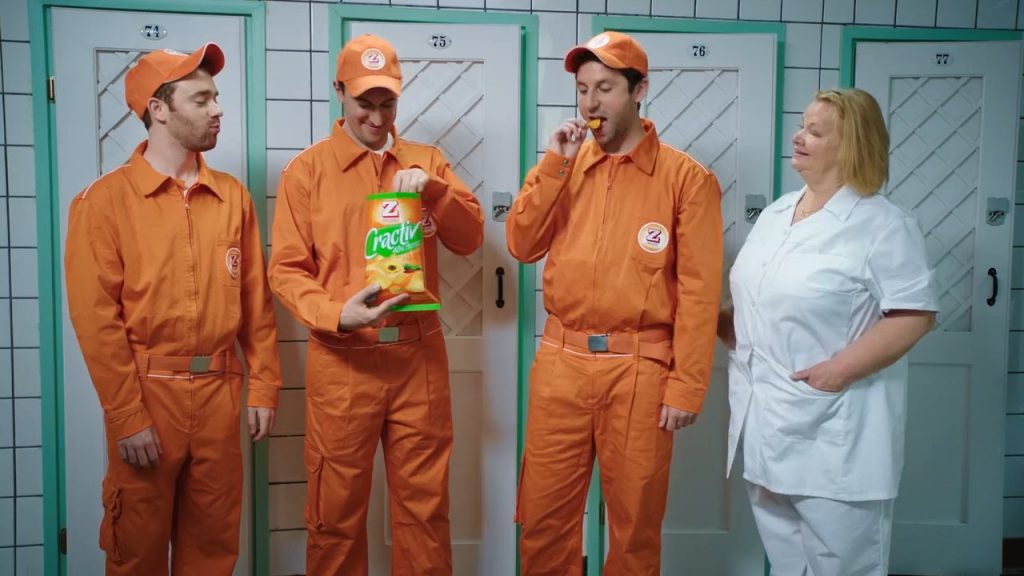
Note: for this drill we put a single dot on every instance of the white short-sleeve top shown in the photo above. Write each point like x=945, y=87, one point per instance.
x=801, y=293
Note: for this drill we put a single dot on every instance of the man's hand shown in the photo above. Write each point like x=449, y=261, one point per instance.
x=827, y=376
x=261, y=422
x=568, y=138
x=141, y=449
x=673, y=419
x=356, y=313
x=410, y=180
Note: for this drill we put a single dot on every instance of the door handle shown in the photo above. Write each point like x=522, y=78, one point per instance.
x=499, y=272
x=995, y=286
x=753, y=206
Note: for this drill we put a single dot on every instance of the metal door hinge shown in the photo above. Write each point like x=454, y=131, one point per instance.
x=51, y=89
x=63, y=541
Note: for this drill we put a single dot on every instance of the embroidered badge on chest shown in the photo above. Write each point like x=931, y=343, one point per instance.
x=429, y=226
x=652, y=237
x=233, y=262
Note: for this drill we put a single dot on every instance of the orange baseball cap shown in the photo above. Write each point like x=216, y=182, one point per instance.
x=369, y=62
x=162, y=66
x=614, y=49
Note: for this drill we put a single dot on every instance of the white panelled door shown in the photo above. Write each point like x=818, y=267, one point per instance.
x=951, y=110
x=461, y=92
x=96, y=132
x=713, y=96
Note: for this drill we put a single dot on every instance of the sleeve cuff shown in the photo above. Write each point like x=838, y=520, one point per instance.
x=123, y=423
x=328, y=317
x=684, y=397
x=263, y=395
x=435, y=190
x=556, y=166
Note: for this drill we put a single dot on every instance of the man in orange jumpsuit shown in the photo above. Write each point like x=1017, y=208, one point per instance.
x=632, y=230
x=165, y=273
x=371, y=377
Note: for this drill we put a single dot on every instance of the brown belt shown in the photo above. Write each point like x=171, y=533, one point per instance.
x=221, y=362
x=654, y=343
x=370, y=337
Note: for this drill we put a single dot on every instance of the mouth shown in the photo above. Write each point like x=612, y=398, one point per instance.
x=596, y=122
x=215, y=128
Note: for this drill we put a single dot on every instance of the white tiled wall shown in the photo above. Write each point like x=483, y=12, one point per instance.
x=21, y=475
x=298, y=92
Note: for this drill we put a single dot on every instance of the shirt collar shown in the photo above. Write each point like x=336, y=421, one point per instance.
x=644, y=154
x=148, y=181
x=840, y=205
x=348, y=151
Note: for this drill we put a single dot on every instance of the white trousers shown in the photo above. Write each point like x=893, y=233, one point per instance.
x=806, y=536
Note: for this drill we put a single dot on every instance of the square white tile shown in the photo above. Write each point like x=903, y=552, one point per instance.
x=6, y=475
x=584, y=28
x=30, y=561
x=286, y=463
x=25, y=322
x=321, y=121
x=557, y=33
x=286, y=503
x=555, y=5
x=476, y=4
x=680, y=8
x=720, y=9
x=4, y=232
x=288, y=74
x=882, y=12
x=288, y=124
x=831, y=39
x=791, y=179
x=18, y=118
x=419, y=3
x=5, y=278
x=6, y=371
x=268, y=229
x=28, y=424
x=291, y=415
x=761, y=10
x=548, y=119
x=1020, y=14
x=287, y=25
x=288, y=328
x=798, y=89
x=22, y=212
x=21, y=172
x=5, y=342
x=803, y=45
x=829, y=79
x=14, y=20
x=24, y=270
x=276, y=161
x=956, y=13
x=915, y=13
x=790, y=124
x=288, y=552
x=323, y=73
x=997, y=14
x=17, y=67
x=29, y=516
x=293, y=364
x=802, y=10
x=595, y=6
x=508, y=5
x=554, y=84
x=319, y=26
x=2, y=136
x=26, y=371
x=28, y=470
x=7, y=523
x=839, y=11
x=639, y=7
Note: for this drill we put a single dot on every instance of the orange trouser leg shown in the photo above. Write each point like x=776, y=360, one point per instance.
x=557, y=462
x=139, y=503
x=635, y=455
x=346, y=401
x=209, y=502
x=417, y=450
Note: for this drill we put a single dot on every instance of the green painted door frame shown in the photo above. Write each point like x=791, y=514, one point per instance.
x=340, y=16
x=595, y=501
x=48, y=235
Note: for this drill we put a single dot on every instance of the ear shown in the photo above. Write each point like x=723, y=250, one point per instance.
x=640, y=92
x=159, y=110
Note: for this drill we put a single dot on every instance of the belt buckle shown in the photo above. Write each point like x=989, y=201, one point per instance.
x=387, y=334
x=200, y=364
x=597, y=342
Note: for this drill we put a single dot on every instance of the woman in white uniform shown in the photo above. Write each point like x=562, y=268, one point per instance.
x=830, y=291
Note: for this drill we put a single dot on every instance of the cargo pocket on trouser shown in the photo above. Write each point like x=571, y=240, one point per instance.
x=108, y=528
x=314, y=477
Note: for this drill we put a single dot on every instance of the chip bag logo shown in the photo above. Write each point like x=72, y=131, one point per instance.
x=394, y=250
x=652, y=237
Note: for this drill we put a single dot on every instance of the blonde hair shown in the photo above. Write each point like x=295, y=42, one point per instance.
x=863, y=139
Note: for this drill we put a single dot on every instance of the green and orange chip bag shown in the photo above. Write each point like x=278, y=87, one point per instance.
x=394, y=250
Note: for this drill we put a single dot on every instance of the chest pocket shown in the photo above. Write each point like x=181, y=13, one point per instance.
x=228, y=262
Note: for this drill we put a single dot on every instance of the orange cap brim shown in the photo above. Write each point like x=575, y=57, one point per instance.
x=573, y=56
x=356, y=86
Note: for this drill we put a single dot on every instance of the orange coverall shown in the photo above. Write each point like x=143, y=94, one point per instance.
x=155, y=279
x=362, y=389
x=634, y=251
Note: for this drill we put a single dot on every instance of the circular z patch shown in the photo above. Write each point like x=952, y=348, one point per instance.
x=429, y=225
x=233, y=262
x=599, y=41
x=373, y=59
x=652, y=237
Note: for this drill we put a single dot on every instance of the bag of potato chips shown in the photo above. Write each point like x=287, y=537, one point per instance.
x=394, y=250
